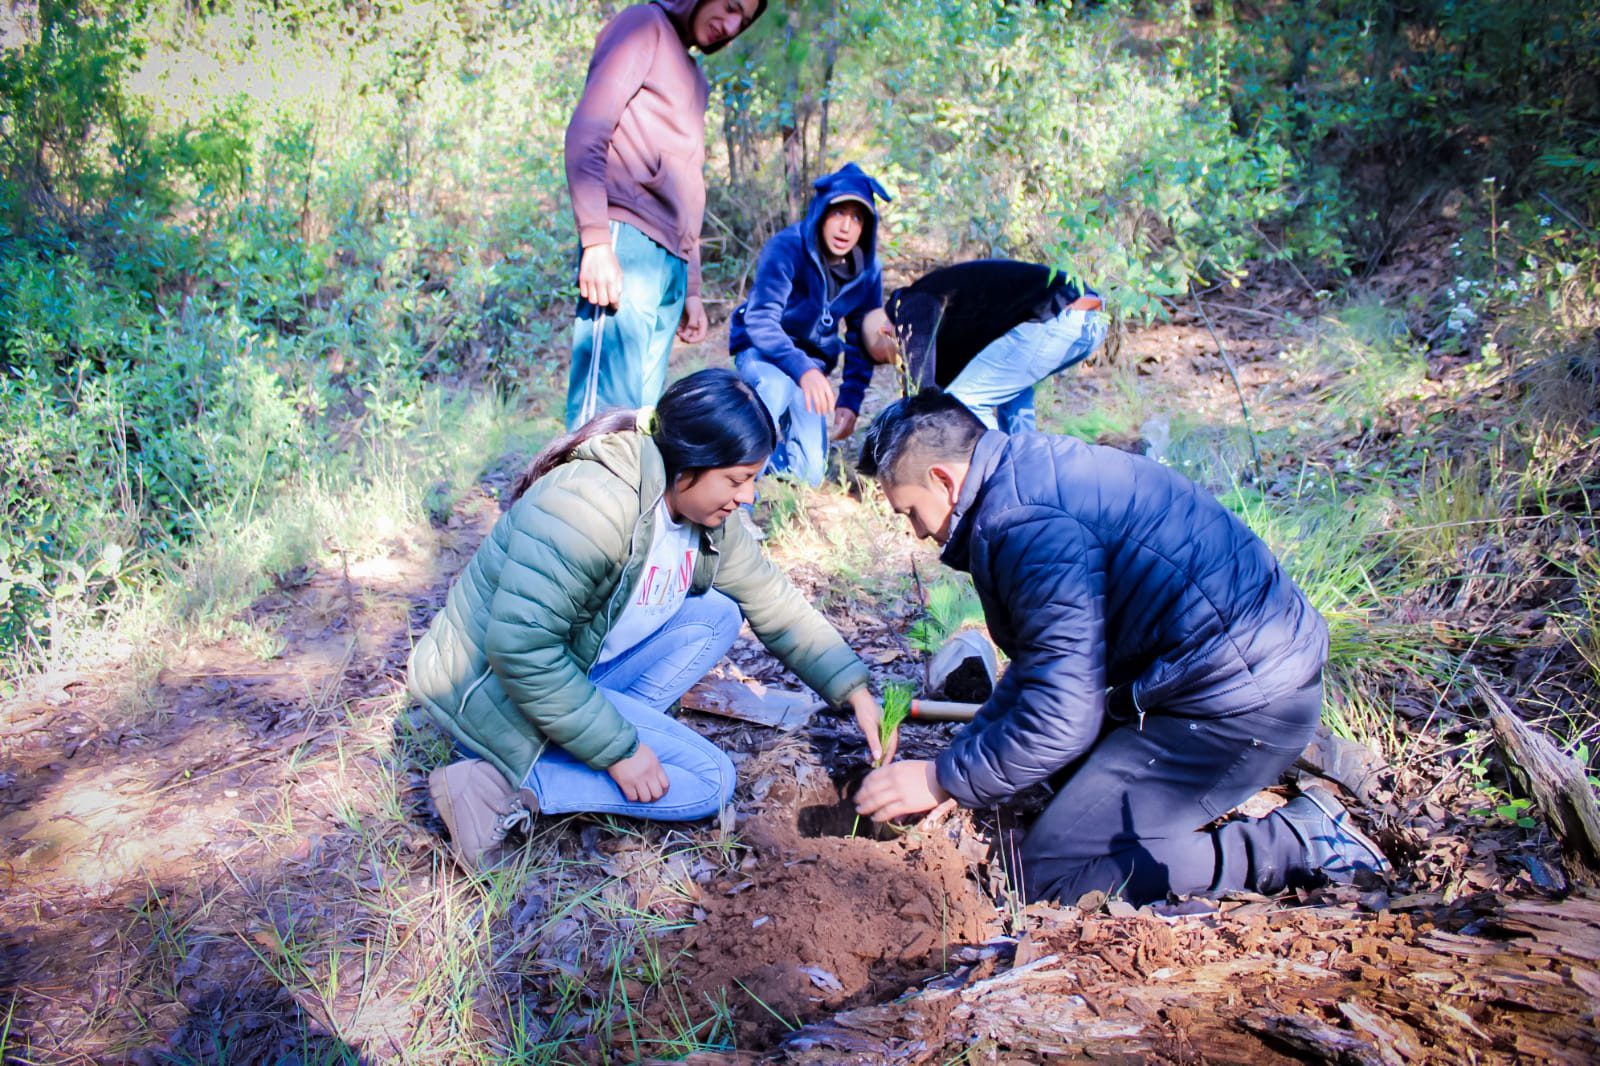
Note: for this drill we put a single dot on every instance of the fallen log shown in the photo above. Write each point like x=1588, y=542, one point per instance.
x=1556, y=781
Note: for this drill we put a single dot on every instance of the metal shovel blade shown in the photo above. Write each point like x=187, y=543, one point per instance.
x=751, y=701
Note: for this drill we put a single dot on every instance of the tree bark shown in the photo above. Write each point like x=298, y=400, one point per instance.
x=1556, y=782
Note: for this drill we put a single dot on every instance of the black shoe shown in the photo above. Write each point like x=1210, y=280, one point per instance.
x=1335, y=848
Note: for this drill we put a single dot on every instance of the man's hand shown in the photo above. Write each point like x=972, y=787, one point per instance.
x=692, y=326
x=868, y=715
x=640, y=776
x=1086, y=303
x=600, y=276
x=844, y=423
x=819, y=394
x=909, y=787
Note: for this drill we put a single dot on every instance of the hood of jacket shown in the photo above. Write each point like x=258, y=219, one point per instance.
x=681, y=12
x=849, y=181
x=625, y=455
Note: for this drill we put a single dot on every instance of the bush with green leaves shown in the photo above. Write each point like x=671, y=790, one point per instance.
x=236, y=244
x=1390, y=104
x=1039, y=131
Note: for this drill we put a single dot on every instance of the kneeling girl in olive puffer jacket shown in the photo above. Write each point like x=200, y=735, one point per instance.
x=612, y=584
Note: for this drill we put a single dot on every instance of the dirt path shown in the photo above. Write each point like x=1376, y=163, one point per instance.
x=157, y=840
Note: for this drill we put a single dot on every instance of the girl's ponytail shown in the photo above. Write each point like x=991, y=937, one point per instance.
x=560, y=450
x=707, y=420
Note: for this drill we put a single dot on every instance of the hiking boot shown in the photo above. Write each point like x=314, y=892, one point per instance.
x=478, y=808
x=1335, y=848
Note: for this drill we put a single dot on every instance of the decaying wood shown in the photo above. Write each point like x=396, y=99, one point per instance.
x=1315, y=1038
x=1556, y=781
x=1324, y=985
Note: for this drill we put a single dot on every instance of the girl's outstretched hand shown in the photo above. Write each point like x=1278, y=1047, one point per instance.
x=909, y=787
x=868, y=715
x=640, y=776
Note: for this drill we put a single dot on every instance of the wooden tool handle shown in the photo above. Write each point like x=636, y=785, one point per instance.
x=942, y=711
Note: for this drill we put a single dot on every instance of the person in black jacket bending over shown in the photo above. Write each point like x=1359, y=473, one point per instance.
x=1164, y=668
x=988, y=331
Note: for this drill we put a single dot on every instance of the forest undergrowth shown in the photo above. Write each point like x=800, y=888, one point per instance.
x=283, y=300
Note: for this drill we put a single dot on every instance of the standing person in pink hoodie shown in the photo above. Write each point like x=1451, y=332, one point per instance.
x=635, y=149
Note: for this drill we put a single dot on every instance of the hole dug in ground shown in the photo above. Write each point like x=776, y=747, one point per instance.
x=817, y=921
x=832, y=813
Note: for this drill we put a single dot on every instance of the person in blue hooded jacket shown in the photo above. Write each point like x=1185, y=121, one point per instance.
x=1164, y=667
x=812, y=278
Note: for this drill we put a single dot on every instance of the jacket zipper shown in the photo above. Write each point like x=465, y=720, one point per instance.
x=461, y=708
x=827, y=304
x=611, y=604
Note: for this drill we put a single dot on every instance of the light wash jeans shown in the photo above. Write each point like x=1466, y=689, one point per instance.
x=802, y=451
x=997, y=385
x=642, y=683
x=619, y=358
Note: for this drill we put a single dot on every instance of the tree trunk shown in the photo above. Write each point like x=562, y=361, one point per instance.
x=830, y=55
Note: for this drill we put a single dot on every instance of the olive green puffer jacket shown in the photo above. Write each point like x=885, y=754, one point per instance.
x=505, y=666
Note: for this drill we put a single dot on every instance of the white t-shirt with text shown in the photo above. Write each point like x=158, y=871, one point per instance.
x=663, y=584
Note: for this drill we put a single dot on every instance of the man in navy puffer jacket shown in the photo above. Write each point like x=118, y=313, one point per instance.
x=1163, y=669
x=812, y=278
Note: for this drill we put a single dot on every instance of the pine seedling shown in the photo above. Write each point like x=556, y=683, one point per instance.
x=951, y=607
x=896, y=709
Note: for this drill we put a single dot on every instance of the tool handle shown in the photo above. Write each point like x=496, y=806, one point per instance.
x=942, y=711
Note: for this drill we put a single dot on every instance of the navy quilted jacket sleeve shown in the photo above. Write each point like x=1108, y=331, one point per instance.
x=1050, y=573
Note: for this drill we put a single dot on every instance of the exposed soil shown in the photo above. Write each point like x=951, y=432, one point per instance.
x=815, y=921
x=969, y=682
x=164, y=838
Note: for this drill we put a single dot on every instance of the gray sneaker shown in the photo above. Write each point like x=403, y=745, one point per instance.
x=1334, y=846
x=478, y=808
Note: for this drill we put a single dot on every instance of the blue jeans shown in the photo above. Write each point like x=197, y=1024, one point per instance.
x=802, y=451
x=619, y=358
x=997, y=385
x=642, y=683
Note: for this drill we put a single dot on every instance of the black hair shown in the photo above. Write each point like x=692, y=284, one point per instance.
x=707, y=420
x=931, y=426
